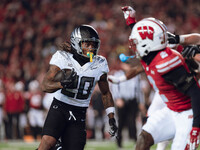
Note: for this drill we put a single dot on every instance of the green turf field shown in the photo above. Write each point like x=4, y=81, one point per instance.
x=91, y=145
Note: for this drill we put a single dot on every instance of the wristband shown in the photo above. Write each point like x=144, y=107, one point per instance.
x=110, y=110
x=122, y=78
x=181, y=39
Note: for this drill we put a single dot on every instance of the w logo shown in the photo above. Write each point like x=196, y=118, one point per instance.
x=146, y=32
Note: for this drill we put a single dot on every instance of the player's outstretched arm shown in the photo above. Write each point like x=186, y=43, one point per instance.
x=186, y=39
x=134, y=71
x=129, y=74
x=48, y=84
x=189, y=39
x=108, y=103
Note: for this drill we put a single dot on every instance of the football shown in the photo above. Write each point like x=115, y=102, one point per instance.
x=60, y=74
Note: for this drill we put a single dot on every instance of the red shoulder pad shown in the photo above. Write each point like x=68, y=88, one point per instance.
x=169, y=63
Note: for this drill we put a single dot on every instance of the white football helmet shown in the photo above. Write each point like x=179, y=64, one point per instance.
x=148, y=35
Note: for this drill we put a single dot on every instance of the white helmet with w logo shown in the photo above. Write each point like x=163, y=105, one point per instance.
x=148, y=35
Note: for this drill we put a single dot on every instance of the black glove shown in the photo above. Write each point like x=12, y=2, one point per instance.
x=69, y=81
x=192, y=65
x=190, y=51
x=173, y=39
x=113, y=127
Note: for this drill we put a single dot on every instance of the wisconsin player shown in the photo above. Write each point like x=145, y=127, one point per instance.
x=189, y=39
x=169, y=75
x=67, y=114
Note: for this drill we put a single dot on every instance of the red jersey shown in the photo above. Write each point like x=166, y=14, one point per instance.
x=164, y=62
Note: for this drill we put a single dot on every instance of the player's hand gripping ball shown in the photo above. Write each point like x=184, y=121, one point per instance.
x=67, y=77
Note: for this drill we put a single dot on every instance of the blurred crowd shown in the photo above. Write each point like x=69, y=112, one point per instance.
x=31, y=31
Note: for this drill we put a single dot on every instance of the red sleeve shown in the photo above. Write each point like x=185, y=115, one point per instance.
x=169, y=63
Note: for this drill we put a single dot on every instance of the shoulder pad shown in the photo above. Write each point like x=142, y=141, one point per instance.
x=100, y=63
x=100, y=59
x=169, y=63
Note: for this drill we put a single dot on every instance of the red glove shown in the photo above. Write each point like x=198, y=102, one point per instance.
x=194, y=139
x=129, y=14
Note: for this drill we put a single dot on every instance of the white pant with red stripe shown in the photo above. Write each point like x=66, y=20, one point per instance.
x=166, y=124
